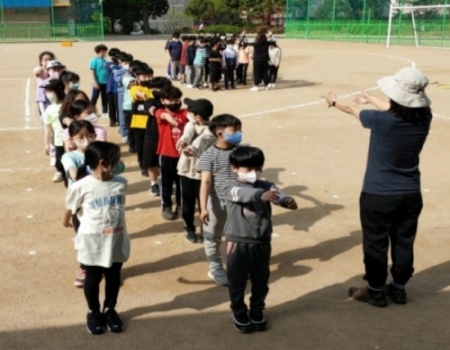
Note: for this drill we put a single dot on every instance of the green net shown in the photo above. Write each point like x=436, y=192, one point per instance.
x=367, y=21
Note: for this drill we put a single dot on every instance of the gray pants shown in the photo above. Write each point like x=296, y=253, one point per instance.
x=190, y=74
x=174, y=67
x=198, y=75
x=212, y=233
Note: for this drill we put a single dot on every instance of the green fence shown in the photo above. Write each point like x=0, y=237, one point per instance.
x=35, y=32
x=366, y=21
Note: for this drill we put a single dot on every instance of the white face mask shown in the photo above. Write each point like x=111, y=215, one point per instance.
x=51, y=97
x=92, y=118
x=54, y=75
x=81, y=145
x=251, y=177
x=191, y=117
x=126, y=66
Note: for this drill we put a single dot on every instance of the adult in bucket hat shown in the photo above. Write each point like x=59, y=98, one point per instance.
x=390, y=201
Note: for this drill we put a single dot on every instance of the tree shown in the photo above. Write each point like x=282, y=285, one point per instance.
x=263, y=10
x=209, y=11
x=150, y=9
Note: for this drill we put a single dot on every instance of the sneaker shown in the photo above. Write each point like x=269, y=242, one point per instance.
x=105, y=115
x=242, y=323
x=132, y=149
x=273, y=86
x=144, y=172
x=365, y=294
x=125, y=139
x=397, y=295
x=190, y=236
x=95, y=323
x=155, y=191
x=52, y=161
x=168, y=214
x=57, y=177
x=254, y=89
x=258, y=321
x=112, y=124
x=113, y=321
x=200, y=238
x=189, y=86
x=205, y=84
x=219, y=276
x=79, y=281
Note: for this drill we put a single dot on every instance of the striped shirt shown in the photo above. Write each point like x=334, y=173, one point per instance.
x=216, y=160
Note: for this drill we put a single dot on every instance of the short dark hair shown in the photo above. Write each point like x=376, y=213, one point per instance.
x=411, y=115
x=100, y=47
x=192, y=38
x=97, y=151
x=46, y=53
x=247, y=156
x=176, y=35
x=159, y=83
x=77, y=107
x=171, y=92
x=77, y=125
x=223, y=121
x=143, y=69
x=69, y=76
x=185, y=37
x=124, y=57
x=113, y=52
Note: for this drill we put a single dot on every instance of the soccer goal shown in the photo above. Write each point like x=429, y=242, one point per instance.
x=433, y=22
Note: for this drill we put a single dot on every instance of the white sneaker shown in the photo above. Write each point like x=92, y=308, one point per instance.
x=52, y=161
x=254, y=89
x=189, y=86
x=205, y=84
x=273, y=86
x=57, y=177
x=125, y=139
x=105, y=115
x=219, y=277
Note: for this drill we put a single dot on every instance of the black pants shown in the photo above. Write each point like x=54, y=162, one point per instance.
x=112, y=107
x=59, y=152
x=387, y=218
x=94, y=275
x=273, y=74
x=241, y=73
x=260, y=72
x=244, y=260
x=139, y=137
x=102, y=93
x=169, y=176
x=190, y=195
x=131, y=138
x=229, y=76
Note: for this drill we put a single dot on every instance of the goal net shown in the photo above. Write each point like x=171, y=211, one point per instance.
x=423, y=25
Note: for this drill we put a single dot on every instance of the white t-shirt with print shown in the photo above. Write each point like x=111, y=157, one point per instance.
x=102, y=237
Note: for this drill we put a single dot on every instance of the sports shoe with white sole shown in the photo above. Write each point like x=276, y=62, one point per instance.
x=219, y=277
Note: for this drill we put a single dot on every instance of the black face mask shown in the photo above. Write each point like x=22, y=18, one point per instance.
x=156, y=94
x=173, y=107
x=146, y=83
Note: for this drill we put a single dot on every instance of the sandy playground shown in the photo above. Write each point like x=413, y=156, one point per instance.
x=167, y=301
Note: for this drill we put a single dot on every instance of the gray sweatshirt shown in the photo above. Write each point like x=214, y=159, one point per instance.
x=248, y=217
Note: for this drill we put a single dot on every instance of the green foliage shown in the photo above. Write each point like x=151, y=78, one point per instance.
x=210, y=11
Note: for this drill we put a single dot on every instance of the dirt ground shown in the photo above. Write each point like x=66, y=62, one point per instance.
x=167, y=301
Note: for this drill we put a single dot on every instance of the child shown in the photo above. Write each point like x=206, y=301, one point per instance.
x=128, y=81
x=184, y=46
x=82, y=133
x=71, y=81
x=150, y=159
x=111, y=86
x=248, y=232
x=274, y=63
x=102, y=241
x=243, y=60
x=215, y=65
x=42, y=76
x=140, y=93
x=55, y=69
x=215, y=171
x=171, y=121
x=99, y=72
x=190, y=57
x=124, y=60
x=201, y=56
x=53, y=132
x=229, y=59
x=173, y=50
x=83, y=110
x=196, y=139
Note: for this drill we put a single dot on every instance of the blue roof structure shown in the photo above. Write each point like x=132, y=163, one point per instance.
x=26, y=3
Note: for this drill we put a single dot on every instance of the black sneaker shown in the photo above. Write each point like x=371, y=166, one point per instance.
x=190, y=236
x=397, y=295
x=168, y=214
x=144, y=172
x=242, y=323
x=258, y=321
x=132, y=149
x=200, y=238
x=113, y=321
x=155, y=191
x=367, y=295
x=95, y=323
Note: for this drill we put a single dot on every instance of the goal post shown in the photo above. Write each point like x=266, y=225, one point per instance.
x=411, y=8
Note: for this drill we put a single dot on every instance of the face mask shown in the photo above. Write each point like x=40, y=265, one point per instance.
x=145, y=83
x=191, y=118
x=92, y=118
x=249, y=177
x=54, y=75
x=81, y=145
x=173, y=107
x=126, y=66
x=51, y=97
x=156, y=94
x=234, y=139
x=74, y=86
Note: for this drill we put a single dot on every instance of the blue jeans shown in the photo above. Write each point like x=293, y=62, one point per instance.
x=102, y=93
x=123, y=129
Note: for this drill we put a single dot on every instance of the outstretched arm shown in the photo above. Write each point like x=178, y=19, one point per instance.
x=364, y=97
x=332, y=101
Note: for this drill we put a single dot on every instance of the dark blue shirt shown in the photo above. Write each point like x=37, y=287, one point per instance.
x=111, y=85
x=174, y=48
x=393, y=160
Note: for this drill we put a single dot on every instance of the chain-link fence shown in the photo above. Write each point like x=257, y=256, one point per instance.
x=367, y=21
